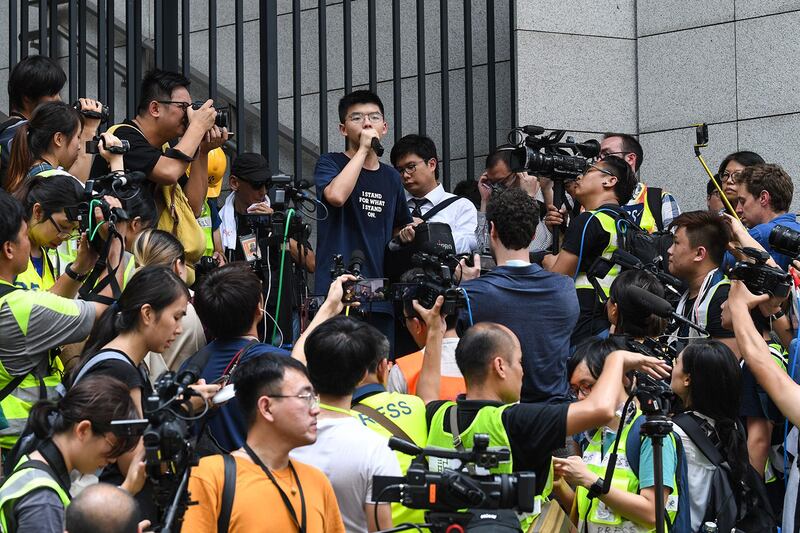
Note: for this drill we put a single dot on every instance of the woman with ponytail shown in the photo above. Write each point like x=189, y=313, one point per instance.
x=75, y=434
x=145, y=318
x=41, y=149
x=708, y=380
x=154, y=247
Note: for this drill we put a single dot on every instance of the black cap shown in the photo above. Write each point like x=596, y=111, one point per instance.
x=251, y=167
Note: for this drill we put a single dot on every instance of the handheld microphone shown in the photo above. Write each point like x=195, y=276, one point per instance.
x=400, y=445
x=648, y=302
x=377, y=146
x=133, y=178
x=356, y=262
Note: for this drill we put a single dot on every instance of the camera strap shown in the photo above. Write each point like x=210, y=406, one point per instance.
x=90, y=290
x=456, y=432
x=301, y=525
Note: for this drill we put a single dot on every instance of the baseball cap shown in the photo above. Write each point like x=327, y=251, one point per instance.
x=252, y=168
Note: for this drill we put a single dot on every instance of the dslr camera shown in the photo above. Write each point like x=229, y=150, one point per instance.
x=222, y=114
x=785, y=240
x=545, y=155
x=759, y=277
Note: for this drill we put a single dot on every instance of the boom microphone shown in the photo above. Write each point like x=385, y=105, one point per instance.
x=377, y=146
x=356, y=262
x=648, y=302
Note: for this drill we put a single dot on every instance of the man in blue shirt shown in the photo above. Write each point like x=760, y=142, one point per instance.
x=764, y=197
x=365, y=200
x=230, y=304
x=540, y=307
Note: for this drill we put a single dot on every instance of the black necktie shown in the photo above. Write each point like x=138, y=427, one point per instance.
x=418, y=203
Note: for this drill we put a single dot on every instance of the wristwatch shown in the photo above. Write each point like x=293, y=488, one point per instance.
x=780, y=314
x=74, y=275
x=596, y=489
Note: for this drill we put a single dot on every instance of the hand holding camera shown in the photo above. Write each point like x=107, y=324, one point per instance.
x=202, y=116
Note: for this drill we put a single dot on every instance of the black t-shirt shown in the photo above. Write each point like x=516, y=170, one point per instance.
x=586, y=238
x=714, y=326
x=141, y=157
x=125, y=371
x=534, y=430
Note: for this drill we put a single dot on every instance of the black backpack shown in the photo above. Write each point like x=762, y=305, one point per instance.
x=743, y=509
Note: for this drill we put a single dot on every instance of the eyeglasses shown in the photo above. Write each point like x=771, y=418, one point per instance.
x=63, y=234
x=410, y=168
x=311, y=398
x=731, y=176
x=604, y=171
x=358, y=118
x=183, y=105
x=606, y=154
x=581, y=390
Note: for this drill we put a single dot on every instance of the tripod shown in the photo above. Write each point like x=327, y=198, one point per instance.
x=658, y=426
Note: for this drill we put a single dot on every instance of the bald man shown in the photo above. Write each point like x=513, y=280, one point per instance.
x=490, y=358
x=105, y=508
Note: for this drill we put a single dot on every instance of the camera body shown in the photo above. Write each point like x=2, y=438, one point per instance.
x=436, y=280
x=546, y=156
x=759, y=277
x=785, y=240
x=222, y=120
x=102, y=115
x=93, y=146
x=120, y=186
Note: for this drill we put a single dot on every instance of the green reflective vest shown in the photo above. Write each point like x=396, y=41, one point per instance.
x=24, y=481
x=609, y=225
x=408, y=413
x=601, y=518
x=488, y=421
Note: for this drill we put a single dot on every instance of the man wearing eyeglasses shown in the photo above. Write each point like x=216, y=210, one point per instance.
x=164, y=115
x=365, y=199
x=414, y=157
x=653, y=209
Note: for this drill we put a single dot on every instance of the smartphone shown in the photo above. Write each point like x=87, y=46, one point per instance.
x=366, y=290
x=701, y=131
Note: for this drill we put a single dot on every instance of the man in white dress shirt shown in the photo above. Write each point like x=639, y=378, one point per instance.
x=414, y=157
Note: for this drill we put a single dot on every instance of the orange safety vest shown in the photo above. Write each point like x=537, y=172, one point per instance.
x=411, y=366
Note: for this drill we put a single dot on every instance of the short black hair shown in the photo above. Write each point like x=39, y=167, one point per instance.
x=415, y=144
x=626, y=179
x=358, y=97
x=515, y=216
x=593, y=352
x=34, y=77
x=259, y=376
x=11, y=217
x=468, y=189
x=338, y=353
x=632, y=321
x=707, y=229
x=227, y=298
x=501, y=155
x=158, y=85
x=102, y=507
x=629, y=144
x=476, y=348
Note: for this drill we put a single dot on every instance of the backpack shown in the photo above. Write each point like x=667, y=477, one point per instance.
x=633, y=447
x=7, y=131
x=746, y=509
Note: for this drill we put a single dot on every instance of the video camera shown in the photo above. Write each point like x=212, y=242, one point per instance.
x=759, y=277
x=445, y=494
x=169, y=448
x=546, y=156
x=102, y=115
x=785, y=240
x=118, y=185
x=93, y=146
x=436, y=279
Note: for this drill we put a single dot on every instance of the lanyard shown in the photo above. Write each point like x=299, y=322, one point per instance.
x=301, y=526
x=335, y=409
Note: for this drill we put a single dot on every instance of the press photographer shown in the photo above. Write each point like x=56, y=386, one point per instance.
x=250, y=233
x=517, y=290
x=490, y=358
x=601, y=189
x=33, y=81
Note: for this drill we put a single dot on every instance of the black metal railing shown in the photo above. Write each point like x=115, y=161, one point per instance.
x=87, y=33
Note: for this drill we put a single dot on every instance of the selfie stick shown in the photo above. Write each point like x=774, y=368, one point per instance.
x=702, y=143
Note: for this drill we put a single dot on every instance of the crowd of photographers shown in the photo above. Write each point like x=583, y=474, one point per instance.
x=557, y=343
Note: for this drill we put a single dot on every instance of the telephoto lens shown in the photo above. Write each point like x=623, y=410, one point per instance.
x=785, y=240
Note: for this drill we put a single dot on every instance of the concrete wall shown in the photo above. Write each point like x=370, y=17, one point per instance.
x=655, y=67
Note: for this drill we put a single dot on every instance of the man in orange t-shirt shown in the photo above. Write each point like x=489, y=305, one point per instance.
x=273, y=493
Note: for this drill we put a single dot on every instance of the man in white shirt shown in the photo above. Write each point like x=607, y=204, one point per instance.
x=414, y=157
x=337, y=352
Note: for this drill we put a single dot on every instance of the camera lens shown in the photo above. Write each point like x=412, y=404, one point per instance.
x=785, y=240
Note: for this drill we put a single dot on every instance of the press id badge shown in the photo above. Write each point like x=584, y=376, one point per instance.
x=250, y=247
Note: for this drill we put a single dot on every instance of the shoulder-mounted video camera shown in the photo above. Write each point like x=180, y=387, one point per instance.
x=759, y=277
x=544, y=155
x=785, y=240
x=436, y=279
